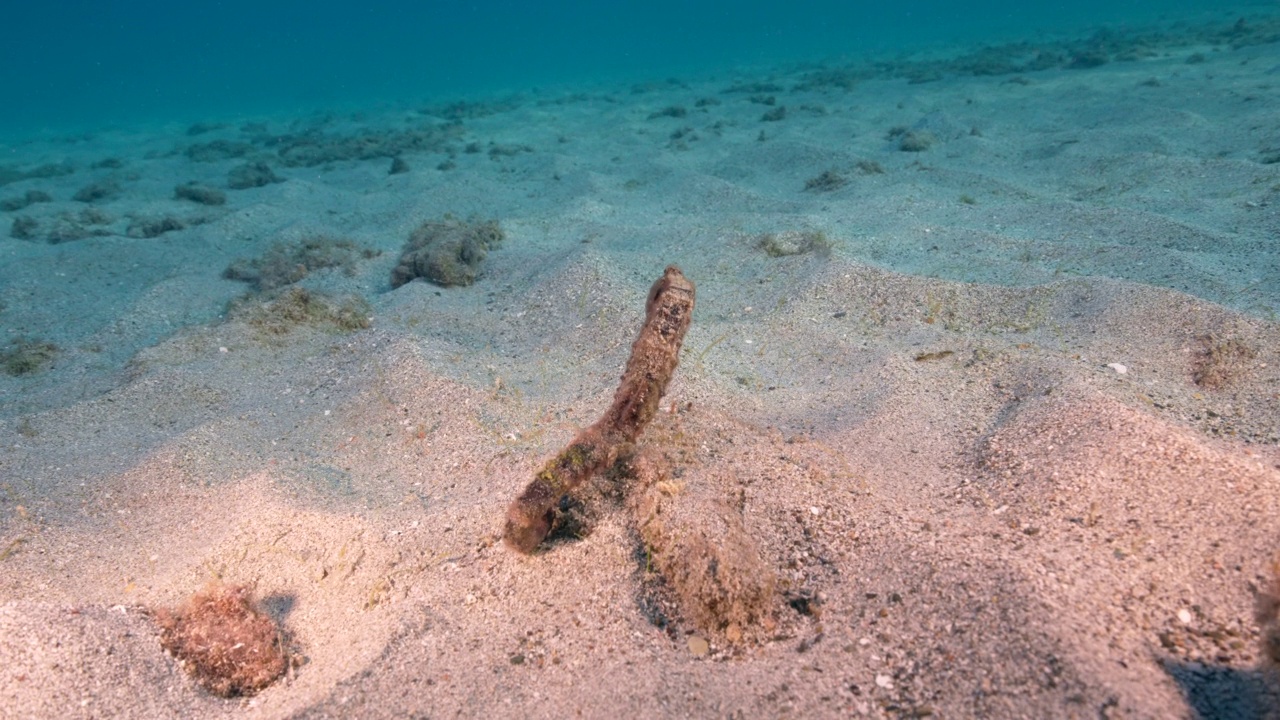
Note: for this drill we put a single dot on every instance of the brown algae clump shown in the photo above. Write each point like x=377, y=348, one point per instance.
x=224, y=641
x=27, y=356
x=287, y=263
x=1221, y=361
x=795, y=242
x=447, y=252
x=297, y=307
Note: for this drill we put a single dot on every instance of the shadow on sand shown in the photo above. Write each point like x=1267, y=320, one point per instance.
x=1219, y=692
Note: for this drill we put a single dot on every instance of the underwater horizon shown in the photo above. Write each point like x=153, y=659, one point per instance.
x=80, y=66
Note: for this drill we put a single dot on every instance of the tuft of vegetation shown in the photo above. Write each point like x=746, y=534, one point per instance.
x=155, y=227
x=843, y=79
x=470, y=110
x=447, y=252
x=311, y=148
x=671, y=111
x=913, y=141
x=201, y=128
x=1221, y=362
x=910, y=140
x=217, y=151
x=753, y=88
x=869, y=167
x=498, y=151
x=1089, y=58
x=826, y=182
x=795, y=242
x=11, y=175
x=30, y=198
x=23, y=228
x=201, y=194
x=251, y=175
x=297, y=307
x=777, y=114
x=101, y=190
x=87, y=223
x=27, y=356
x=287, y=263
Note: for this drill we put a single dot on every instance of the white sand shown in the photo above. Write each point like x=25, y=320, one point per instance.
x=1010, y=530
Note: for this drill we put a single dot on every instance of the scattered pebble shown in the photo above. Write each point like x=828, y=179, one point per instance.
x=1118, y=368
x=1184, y=616
x=698, y=646
x=884, y=681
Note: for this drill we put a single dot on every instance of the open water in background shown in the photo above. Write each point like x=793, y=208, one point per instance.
x=70, y=65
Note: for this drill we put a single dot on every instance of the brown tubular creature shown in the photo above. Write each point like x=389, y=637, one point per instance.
x=654, y=357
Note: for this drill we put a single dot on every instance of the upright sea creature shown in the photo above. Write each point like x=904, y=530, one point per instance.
x=654, y=357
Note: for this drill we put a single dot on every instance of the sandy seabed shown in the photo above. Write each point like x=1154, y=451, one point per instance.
x=1001, y=413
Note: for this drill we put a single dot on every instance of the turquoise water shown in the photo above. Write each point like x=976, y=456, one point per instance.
x=1026, y=165
x=84, y=65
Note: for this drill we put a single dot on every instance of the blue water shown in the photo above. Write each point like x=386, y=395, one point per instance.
x=70, y=65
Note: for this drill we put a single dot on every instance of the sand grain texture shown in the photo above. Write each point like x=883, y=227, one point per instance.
x=902, y=476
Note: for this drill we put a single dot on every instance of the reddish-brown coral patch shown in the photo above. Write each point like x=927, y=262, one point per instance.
x=224, y=641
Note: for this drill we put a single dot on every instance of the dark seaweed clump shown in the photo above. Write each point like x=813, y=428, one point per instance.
x=66, y=227
x=251, y=175
x=287, y=263
x=201, y=194
x=50, y=170
x=313, y=147
x=31, y=197
x=217, y=151
x=296, y=308
x=27, y=356
x=1220, y=361
x=795, y=242
x=96, y=191
x=827, y=181
x=225, y=641
x=156, y=226
x=447, y=252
